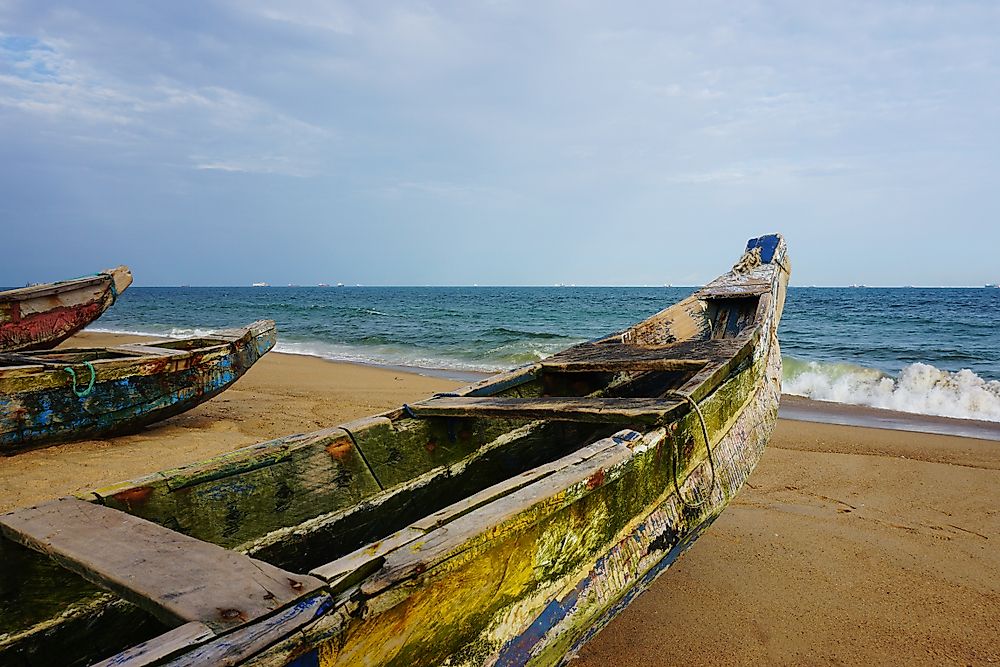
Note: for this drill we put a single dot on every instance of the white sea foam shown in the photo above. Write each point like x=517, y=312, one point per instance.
x=171, y=332
x=385, y=355
x=919, y=388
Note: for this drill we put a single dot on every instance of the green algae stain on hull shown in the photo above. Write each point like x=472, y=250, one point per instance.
x=547, y=577
x=484, y=531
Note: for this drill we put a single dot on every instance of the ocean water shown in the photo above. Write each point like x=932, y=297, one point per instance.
x=930, y=351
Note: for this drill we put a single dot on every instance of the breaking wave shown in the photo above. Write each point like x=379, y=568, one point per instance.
x=918, y=388
x=159, y=332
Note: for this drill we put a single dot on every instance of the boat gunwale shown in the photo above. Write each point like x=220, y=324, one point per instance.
x=69, y=285
x=220, y=343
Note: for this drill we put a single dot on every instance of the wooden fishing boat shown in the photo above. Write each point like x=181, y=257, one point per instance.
x=502, y=524
x=75, y=393
x=40, y=317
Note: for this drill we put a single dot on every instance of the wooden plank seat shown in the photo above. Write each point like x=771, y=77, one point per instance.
x=614, y=355
x=744, y=289
x=137, y=348
x=599, y=410
x=178, y=579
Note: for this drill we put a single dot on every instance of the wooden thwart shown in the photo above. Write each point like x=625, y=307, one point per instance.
x=177, y=578
x=146, y=349
x=600, y=410
x=613, y=355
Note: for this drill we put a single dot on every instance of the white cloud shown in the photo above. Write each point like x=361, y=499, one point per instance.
x=158, y=115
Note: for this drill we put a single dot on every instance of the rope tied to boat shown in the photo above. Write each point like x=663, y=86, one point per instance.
x=748, y=262
x=90, y=386
x=677, y=453
x=114, y=289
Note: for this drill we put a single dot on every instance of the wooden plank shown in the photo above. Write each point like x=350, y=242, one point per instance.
x=136, y=348
x=599, y=410
x=507, y=514
x=623, y=364
x=707, y=379
x=247, y=642
x=365, y=560
x=175, y=577
x=615, y=355
x=244, y=494
x=48, y=289
x=683, y=321
x=747, y=288
x=158, y=648
x=512, y=484
x=370, y=554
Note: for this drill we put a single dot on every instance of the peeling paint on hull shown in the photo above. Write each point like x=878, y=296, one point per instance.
x=39, y=406
x=504, y=526
x=43, y=316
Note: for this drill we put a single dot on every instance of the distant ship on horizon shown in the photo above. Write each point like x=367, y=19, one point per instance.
x=992, y=285
x=259, y=285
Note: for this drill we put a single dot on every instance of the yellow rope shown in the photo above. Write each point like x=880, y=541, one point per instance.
x=748, y=262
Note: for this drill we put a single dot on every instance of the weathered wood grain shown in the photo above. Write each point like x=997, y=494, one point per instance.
x=326, y=538
x=42, y=316
x=399, y=449
x=599, y=410
x=158, y=648
x=614, y=355
x=493, y=539
x=145, y=350
x=243, y=643
x=40, y=404
x=374, y=554
x=175, y=577
x=247, y=493
x=494, y=520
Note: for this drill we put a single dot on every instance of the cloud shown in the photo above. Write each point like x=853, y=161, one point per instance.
x=164, y=118
x=566, y=114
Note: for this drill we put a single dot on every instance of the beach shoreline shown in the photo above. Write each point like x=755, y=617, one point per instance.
x=848, y=545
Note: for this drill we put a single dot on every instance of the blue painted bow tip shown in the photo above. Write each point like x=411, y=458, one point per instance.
x=768, y=245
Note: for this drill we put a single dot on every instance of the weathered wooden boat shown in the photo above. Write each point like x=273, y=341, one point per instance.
x=40, y=317
x=502, y=524
x=70, y=394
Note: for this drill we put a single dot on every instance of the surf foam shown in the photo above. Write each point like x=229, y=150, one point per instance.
x=919, y=388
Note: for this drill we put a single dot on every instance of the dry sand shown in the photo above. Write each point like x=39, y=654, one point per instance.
x=279, y=395
x=849, y=546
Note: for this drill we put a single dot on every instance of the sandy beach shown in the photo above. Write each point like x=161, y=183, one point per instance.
x=850, y=545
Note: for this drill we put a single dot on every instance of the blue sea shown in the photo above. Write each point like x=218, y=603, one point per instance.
x=934, y=351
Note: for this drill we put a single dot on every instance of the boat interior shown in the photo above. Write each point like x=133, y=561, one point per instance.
x=62, y=357
x=303, y=501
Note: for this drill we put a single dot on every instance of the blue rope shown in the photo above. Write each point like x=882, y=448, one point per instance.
x=90, y=387
x=114, y=290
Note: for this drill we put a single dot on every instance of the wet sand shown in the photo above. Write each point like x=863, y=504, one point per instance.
x=850, y=545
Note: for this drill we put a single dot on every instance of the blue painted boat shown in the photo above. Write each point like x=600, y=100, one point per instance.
x=503, y=523
x=77, y=393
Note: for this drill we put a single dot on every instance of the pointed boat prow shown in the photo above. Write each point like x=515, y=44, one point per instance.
x=121, y=277
x=39, y=317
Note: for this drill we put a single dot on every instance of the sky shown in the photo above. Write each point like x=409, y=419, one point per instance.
x=223, y=142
